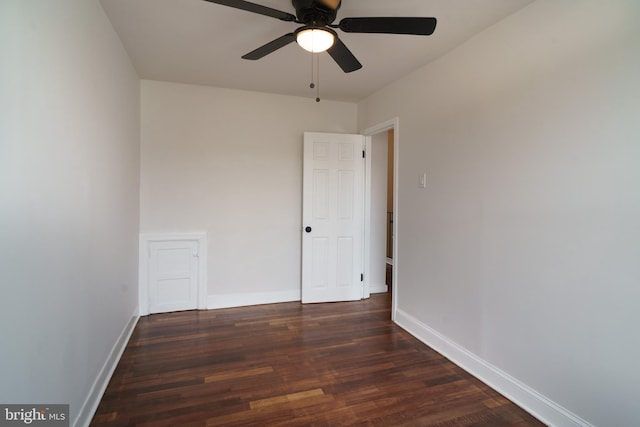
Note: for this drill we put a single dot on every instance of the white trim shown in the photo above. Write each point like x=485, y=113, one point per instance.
x=524, y=396
x=366, y=236
x=379, y=289
x=90, y=405
x=143, y=260
x=382, y=127
x=241, y=300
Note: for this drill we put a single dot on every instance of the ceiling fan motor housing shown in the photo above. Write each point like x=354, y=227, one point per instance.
x=315, y=13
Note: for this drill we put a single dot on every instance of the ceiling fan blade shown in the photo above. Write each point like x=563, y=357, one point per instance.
x=256, y=8
x=343, y=56
x=270, y=47
x=389, y=25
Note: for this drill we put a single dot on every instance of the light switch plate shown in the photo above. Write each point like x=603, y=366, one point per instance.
x=422, y=183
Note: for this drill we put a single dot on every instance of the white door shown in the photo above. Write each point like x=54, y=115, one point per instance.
x=173, y=276
x=332, y=217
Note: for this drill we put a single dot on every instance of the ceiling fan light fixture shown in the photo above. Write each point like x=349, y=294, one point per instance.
x=315, y=40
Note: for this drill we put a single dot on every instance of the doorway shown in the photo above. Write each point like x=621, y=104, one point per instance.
x=315, y=179
x=389, y=217
x=381, y=210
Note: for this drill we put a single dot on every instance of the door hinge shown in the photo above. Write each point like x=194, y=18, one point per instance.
x=363, y=154
x=362, y=277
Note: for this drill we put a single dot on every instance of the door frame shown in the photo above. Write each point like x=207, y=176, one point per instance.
x=144, y=253
x=391, y=124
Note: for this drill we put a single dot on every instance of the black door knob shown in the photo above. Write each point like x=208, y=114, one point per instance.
x=308, y=229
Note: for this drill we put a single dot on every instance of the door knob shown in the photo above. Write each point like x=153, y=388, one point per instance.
x=308, y=229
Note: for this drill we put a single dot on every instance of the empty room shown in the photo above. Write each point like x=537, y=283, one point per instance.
x=320, y=212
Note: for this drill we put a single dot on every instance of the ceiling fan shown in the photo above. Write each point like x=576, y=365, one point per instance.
x=317, y=34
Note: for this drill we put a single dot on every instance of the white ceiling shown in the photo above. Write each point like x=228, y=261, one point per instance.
x=197, y=42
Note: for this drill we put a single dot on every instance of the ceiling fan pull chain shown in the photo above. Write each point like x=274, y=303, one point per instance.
x=318, y=77
x=312, y=84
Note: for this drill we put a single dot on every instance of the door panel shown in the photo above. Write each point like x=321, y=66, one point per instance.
x=320, y=266
x=333, y=204
x=346, y=181
x=321, y=194
x=344, y=262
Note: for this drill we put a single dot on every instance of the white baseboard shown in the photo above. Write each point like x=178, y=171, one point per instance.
x=524, y=396
x=99, y=386
x=242, y=300
x=378, y=289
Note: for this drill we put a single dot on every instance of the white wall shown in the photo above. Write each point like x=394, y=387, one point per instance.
x=229, y=162
x=524, y=250
x=69, y=197
x=378, y=248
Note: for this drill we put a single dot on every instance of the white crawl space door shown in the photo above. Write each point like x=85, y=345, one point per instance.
x=172, y=273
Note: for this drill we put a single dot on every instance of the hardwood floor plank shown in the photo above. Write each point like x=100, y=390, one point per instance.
x=293, y=365
x=235, y=374
x=288, y=398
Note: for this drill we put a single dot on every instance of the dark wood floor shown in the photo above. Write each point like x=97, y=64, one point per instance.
x=293, y=365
